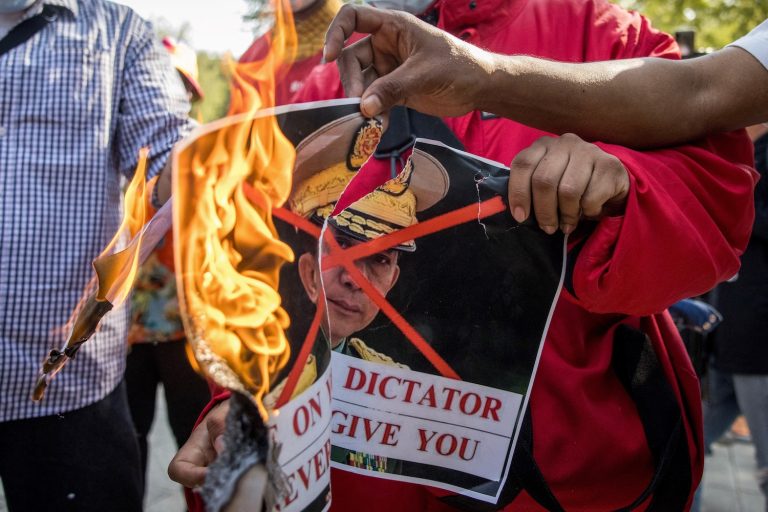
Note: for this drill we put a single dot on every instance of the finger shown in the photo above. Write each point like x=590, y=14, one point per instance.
x=370, y=75
x=188, y=465
x=389, y=90
x=572, y=186
x=544, y=187
x=353, y=63
x=609, y=185
x=216, y=421
x=351, y=19
x=520, y=172
x=187, y=474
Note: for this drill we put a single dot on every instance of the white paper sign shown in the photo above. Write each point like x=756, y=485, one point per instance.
x=421, y=417
x=301, y=428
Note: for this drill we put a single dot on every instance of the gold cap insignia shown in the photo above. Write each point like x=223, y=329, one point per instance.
x=364, y=145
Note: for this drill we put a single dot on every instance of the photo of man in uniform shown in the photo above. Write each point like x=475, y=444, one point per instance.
x=349, y=309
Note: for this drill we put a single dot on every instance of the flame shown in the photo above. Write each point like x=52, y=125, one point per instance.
x=253, y=83
x=115, y=275
x=116, y=271
x=227, y=252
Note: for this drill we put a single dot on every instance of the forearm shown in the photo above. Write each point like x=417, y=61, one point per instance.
x=646, y=102
x=162, y=191
x=635, y=102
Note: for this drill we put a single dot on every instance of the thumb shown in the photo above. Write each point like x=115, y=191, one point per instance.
x=389, y=90
x=216, y=422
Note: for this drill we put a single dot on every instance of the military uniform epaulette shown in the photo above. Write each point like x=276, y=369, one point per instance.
x=368, y=354
x=306, y=379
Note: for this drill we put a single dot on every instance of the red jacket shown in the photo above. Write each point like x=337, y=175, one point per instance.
x=293, y=80
x=687, y=220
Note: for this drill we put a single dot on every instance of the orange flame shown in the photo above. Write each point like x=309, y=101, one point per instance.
x=227, y=252
x=116, y=271
x=253, y=83
x=115, y=274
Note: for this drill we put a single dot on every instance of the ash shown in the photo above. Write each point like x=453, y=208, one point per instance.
x=245, y=445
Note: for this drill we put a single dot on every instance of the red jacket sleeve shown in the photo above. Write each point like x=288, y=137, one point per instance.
x=218, y=394
x=690, y=208
x=623, y=34
x=688, y=218
x=322, y=83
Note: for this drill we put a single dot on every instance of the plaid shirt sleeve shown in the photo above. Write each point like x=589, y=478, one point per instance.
x=153, y=109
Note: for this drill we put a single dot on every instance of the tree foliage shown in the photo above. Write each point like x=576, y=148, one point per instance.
x=716, y=22
x=214, y=80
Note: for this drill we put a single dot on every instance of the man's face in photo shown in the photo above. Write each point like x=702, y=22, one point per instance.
x=349, y=308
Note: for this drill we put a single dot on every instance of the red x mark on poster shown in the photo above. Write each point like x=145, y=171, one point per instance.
x=347, y=257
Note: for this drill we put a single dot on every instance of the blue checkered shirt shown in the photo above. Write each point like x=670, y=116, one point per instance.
x=77, y=102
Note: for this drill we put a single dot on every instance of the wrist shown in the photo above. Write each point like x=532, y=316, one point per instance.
x=497, y=84
x=482, y=86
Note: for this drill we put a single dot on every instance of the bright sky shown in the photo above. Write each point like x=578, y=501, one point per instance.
x=214, y=26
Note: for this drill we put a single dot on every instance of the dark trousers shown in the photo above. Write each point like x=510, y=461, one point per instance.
x=186, y=392
x=84, y=460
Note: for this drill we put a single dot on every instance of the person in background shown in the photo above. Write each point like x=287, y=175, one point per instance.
x=737, y=379
x=84, y=85
x=311, y=19
x=156, y=336
x=184, y=59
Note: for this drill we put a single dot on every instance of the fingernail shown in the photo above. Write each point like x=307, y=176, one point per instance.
x=567, y=228
x=371, y=105
x=550, y=230
x=323, y=60
x=519, y=214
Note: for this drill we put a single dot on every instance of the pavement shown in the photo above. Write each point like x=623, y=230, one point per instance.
x=729, y=479
x=163, y=494
x=729, y=474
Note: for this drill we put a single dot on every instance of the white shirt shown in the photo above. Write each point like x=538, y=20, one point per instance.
x=756, y=43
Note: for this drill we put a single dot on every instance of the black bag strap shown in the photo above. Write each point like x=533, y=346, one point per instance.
x=639, y=370
x=22, y=32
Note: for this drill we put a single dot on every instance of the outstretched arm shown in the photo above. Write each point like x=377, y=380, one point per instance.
x=637, y=102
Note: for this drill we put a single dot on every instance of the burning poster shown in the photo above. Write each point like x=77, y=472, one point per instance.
x=250, y=294
x=438, y=303
x=426, y=301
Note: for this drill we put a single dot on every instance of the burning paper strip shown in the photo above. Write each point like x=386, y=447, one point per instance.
x=115, y=272
x=228, y=258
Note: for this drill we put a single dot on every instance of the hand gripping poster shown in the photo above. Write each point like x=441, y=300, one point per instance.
x=396, y=337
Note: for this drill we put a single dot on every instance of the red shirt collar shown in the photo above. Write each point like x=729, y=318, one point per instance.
x=456, y=15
